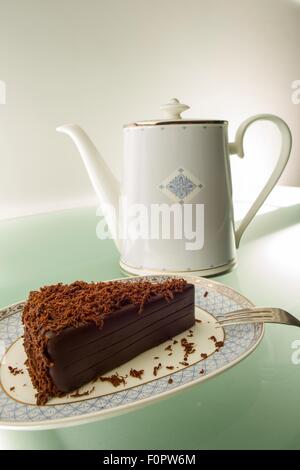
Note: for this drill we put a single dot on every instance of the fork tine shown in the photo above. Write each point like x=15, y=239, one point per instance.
x=247, y=311
x=248, y=315
x=253, y=315
x=239, y=322
x=246, y=320
x=245, y=314
x=257, y=315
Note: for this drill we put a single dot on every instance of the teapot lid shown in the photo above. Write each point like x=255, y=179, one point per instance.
x=172, y=115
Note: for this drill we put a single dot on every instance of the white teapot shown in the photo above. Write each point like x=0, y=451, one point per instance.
x=176, y=171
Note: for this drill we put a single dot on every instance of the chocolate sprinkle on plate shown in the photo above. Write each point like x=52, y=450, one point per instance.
x=137, y=374
x=156, y=369
x=188, y=347
x=77, y=394
x=115, y=379
x=15, y=370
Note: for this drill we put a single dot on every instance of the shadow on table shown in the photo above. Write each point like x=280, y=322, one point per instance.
x=271, y=222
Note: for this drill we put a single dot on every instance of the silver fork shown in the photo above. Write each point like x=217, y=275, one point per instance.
x=258, y=315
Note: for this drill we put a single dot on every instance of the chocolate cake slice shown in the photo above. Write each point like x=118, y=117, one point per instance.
x=75, y=333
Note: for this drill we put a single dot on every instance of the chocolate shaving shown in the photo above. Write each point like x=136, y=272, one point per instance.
x=188, y=348
x=219, y=344
x=175, y=341
x=156, y=369
x=203, y=355
x=42, y=398
x=77, y=394
x=115, y=379
x=170, y=367
x=168, y=348
x=136, y=373
x=198, y=321
x=205, y=294
x=184, y=363
x=201, y=371
x=59, y=306
x=12, y=389
x=15, y=370
x=170, y=381
x=213, y=338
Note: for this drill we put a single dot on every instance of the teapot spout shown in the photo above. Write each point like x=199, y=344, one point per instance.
x=104, y=182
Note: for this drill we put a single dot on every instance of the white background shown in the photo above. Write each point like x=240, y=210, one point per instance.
x=102, y=63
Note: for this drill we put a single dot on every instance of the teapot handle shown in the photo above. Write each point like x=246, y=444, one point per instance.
x=237, y=148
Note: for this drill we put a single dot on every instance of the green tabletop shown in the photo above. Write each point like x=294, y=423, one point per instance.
x=253, y=405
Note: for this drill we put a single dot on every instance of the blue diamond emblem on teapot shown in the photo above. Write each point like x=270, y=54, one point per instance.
x=181, y=185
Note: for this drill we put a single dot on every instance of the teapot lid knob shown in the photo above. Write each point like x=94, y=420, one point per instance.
x=173, y=109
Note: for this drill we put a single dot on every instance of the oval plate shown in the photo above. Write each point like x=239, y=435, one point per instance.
x=100, y=399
